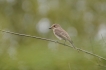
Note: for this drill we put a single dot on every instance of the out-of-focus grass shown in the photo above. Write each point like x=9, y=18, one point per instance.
x=36, y=56
x=84, y=20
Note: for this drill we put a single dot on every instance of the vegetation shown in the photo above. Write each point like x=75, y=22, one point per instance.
x=84, y=20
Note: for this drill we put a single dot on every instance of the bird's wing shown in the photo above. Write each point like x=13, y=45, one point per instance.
x=61, y=33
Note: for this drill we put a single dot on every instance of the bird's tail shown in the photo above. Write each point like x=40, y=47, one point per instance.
x=71, y=42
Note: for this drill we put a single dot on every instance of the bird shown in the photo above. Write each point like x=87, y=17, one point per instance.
x=61, y=34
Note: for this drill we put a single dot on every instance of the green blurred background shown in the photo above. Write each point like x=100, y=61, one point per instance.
x=84, y=20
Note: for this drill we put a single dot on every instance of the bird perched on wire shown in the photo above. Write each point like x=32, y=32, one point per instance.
x=61, y=34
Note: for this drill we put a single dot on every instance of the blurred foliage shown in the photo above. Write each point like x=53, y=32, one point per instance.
x=84, y=20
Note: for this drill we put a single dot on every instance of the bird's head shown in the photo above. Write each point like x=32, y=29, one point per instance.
x=54, y=26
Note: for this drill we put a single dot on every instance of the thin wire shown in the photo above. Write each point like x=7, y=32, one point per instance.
x=54, y=42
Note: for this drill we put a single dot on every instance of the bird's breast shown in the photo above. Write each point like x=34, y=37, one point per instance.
x=57, y=34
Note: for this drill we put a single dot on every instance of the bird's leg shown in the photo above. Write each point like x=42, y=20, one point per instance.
x=56, y=41
x=64, y=41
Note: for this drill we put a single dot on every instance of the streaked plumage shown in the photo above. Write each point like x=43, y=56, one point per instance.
x=61, y=33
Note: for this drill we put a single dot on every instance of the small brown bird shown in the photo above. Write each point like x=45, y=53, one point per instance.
x=61, y=34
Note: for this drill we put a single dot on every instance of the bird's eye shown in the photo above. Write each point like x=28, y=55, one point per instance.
x=54, y=26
